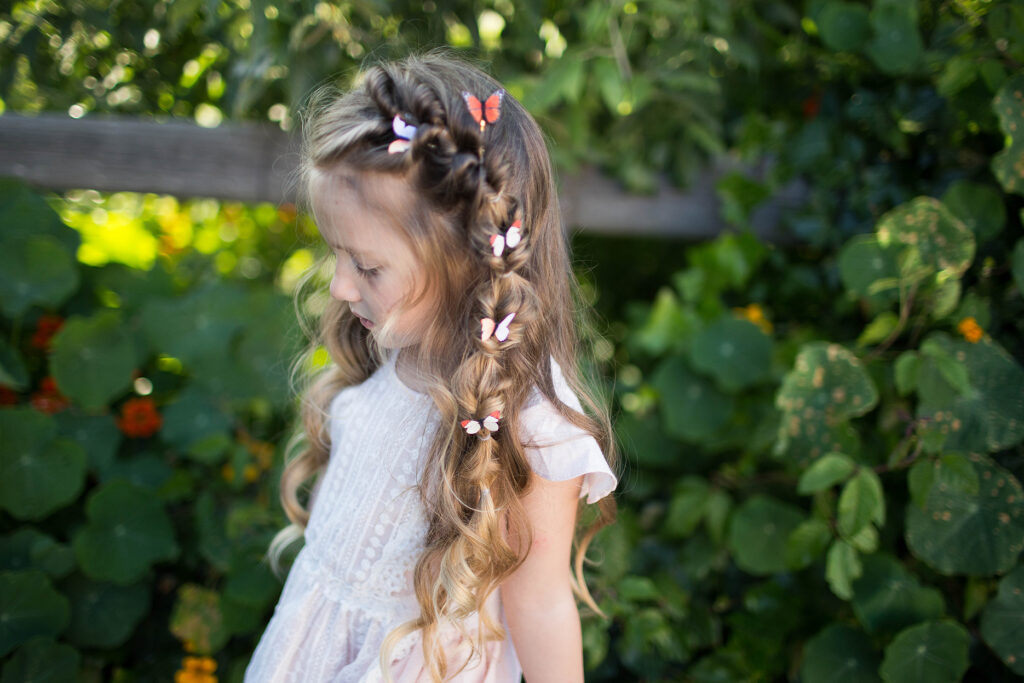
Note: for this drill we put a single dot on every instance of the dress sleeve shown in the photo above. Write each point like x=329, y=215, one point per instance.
x=559, y=450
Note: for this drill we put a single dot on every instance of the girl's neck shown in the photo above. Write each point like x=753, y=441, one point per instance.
x=407, y=372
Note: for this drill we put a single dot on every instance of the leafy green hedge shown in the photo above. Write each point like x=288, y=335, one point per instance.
x=138, y=466
x=827, y=436
x=823, y=437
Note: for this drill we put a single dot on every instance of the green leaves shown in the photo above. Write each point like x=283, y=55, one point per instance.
x=128, y=530
x=39, y=473
x=758, y=534
x=826, y=387
x=844, y=26
x=1002, y=622
x=733, y=351
x=861, y=503
x=840, y=654
x=887, y=597
x=825, y=472
x=1008, y=165
x=29, y=607
x=37, y=252
x=962, y=532
x=932, y=651
x=93, y=359
x=935, y=241
x=896, y=46
x=691, y=407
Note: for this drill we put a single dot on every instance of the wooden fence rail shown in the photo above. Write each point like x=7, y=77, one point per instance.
x=253, y=162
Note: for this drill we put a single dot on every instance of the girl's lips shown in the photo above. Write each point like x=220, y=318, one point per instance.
x=366, y=323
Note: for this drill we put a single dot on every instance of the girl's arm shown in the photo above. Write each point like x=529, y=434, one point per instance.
x=540, y=608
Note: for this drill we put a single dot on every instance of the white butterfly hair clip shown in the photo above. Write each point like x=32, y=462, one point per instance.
x=500, y=331
x=490, y=423
x=405, y=133
x=510, y=239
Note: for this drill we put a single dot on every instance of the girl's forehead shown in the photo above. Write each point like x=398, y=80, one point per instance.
x=359, y=207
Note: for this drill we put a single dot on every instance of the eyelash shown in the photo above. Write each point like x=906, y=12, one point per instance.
x=367, y=273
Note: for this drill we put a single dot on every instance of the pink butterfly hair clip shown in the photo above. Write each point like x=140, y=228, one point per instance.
x=490, y=423
x=405, y=133
x=510, y=239
x=500, y=331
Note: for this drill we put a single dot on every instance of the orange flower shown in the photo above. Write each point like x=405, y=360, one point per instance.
x=755, y=314
x=970, y=329
x=286, y=212
x=49, y=399
x=46, y=327
x=196, y=670
x=227, y=472
x=139, y=417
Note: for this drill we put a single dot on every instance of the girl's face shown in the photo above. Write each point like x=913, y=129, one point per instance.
x=375, y=271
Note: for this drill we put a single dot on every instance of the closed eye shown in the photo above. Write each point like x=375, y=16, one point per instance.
x=367, y=273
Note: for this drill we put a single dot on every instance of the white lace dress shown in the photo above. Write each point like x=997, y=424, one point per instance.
x=352, y=581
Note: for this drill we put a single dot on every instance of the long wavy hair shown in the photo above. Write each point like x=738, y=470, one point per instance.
x=468, y=183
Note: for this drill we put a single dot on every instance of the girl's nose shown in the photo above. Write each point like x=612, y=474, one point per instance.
x=343, y=288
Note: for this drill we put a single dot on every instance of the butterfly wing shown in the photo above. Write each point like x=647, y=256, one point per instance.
x=513, y=235
x=492, y=107
x=471, y=426
x=486, y=328
x=473, y=104
x=497, y=244
x=502, y=331
x=491, y=421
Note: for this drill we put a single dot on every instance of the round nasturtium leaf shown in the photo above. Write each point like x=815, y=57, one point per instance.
x=827, y=386
x=1002, y=621
x=933, y=236
x=98, y=436
x=979, y=206
x=24, y=212
x=192, y=417
x=977, y=534
x=1008, y=165
x=887, y=598
x=870, y=270
x=935, y=651
x=843, y=26
x=840, y=654
x=691, y=407
x=758, y=534
x=735, y=352
x=198, y=325
x=38, y=473
x=990, y=414
x=104, y=615
x=896, y=46
x=35, y=270
x=93, y=359
x=197, y=618
x=29, y=607
x=27, y=548
x=128, y=530
x=42, y=660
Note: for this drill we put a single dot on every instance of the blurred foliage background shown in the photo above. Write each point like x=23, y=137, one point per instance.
x=822, y=436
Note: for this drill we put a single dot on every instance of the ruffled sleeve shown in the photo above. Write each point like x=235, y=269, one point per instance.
x=559, y=450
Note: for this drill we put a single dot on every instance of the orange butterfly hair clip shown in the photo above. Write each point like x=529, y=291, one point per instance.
x=488, y=111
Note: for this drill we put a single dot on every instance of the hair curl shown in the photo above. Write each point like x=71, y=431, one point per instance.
x=469, y=184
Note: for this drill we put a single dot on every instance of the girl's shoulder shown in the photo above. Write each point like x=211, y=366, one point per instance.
x=558, y=449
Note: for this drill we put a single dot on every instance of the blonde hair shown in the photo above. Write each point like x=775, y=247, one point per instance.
x=472, y=484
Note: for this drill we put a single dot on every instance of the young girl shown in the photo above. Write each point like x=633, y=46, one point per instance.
x=447, y=438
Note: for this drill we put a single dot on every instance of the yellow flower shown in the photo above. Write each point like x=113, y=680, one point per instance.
x=755, y=314
x=227, y=472
x=970, y=329
x=251, y=473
